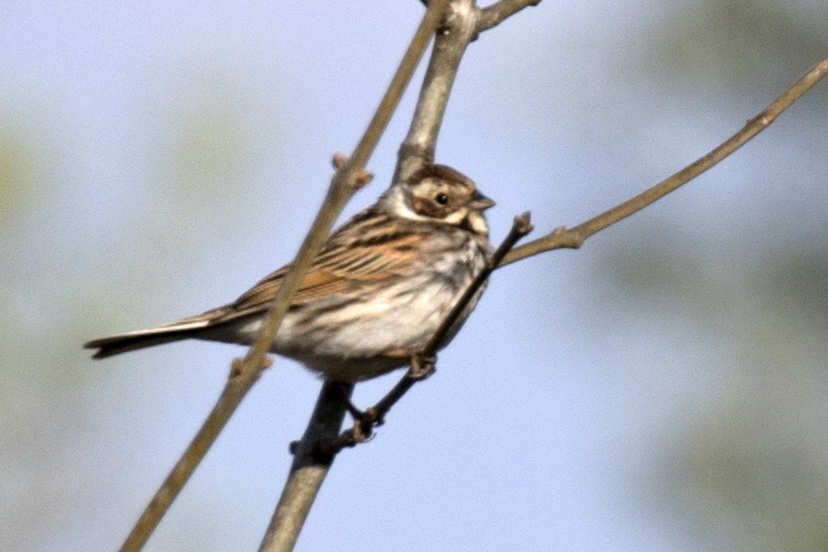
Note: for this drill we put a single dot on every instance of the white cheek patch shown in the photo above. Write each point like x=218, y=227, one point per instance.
x=456, y=218
x=478, y=223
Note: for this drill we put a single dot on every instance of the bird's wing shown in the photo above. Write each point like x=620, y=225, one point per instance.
x=370, y=248
x=361, y=253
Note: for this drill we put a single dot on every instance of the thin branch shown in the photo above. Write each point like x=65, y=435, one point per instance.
x=231, y=396
x=575, y=237
x=521, y=226
x=313, y=456
x=457, y=30
x=497, y=13
x=411, y=59
x=349, y=177
x=309, y=467
x=463, y=22
x=422, y=365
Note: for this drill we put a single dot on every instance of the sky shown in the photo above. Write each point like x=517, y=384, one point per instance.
x=665, y=387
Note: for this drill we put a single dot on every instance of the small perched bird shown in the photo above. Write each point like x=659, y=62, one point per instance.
x=376, y=293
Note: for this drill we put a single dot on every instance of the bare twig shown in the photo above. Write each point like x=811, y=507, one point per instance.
x=521, y=226
x=312, y=457
x=422, y=365
x=235, y=389
x=244, y=373
x=461, y=26
x=574, y=237
x=309, y=469
x=457, y=30
x=495, y=14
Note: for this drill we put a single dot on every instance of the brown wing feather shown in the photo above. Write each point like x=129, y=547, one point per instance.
x=372, y=247
x=364, y=250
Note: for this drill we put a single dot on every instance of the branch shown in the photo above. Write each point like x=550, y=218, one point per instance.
x=349, y=177
x=498, y=12
x=307, y=475
x=313, y=456
x=521, y=226
x=463, y=22
x=309, y=466
x=422, y=365
x=575, y=237
x=457, y=30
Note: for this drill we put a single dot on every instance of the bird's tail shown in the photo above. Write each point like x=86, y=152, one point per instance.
x=121, y=343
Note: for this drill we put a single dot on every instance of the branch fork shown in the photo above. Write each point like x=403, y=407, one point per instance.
x=315, y=452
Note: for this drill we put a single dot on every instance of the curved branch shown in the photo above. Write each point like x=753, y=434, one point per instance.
x=575, y=237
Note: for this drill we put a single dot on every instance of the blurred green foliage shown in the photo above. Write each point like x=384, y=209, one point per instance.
x=18, y=160
x=204, y=145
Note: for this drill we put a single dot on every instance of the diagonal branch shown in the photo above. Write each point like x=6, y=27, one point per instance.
x=498, y=12
x=457, y=30
x=422, y=365
x=521, y=226
x=349, y=177
x=575, y=237
x=463, y=22
x=312, y=458
x=310, y=467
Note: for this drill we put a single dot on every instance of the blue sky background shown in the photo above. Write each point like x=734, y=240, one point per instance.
x=663, y=388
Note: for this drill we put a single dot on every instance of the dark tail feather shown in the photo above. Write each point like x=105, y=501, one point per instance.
x=117, y=344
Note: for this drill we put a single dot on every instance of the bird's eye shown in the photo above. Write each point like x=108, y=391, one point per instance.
x=441, y=198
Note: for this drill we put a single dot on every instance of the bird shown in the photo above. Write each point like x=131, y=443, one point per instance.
x=377, y=291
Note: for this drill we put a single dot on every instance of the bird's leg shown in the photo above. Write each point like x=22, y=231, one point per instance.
x=364, y=421
x=422, y=366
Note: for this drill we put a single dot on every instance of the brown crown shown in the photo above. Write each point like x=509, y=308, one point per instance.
x=442, y=172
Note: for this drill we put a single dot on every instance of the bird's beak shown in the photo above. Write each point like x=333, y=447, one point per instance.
x=480, y=202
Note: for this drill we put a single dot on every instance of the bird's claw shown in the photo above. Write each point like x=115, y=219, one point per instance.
x=421, y=366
